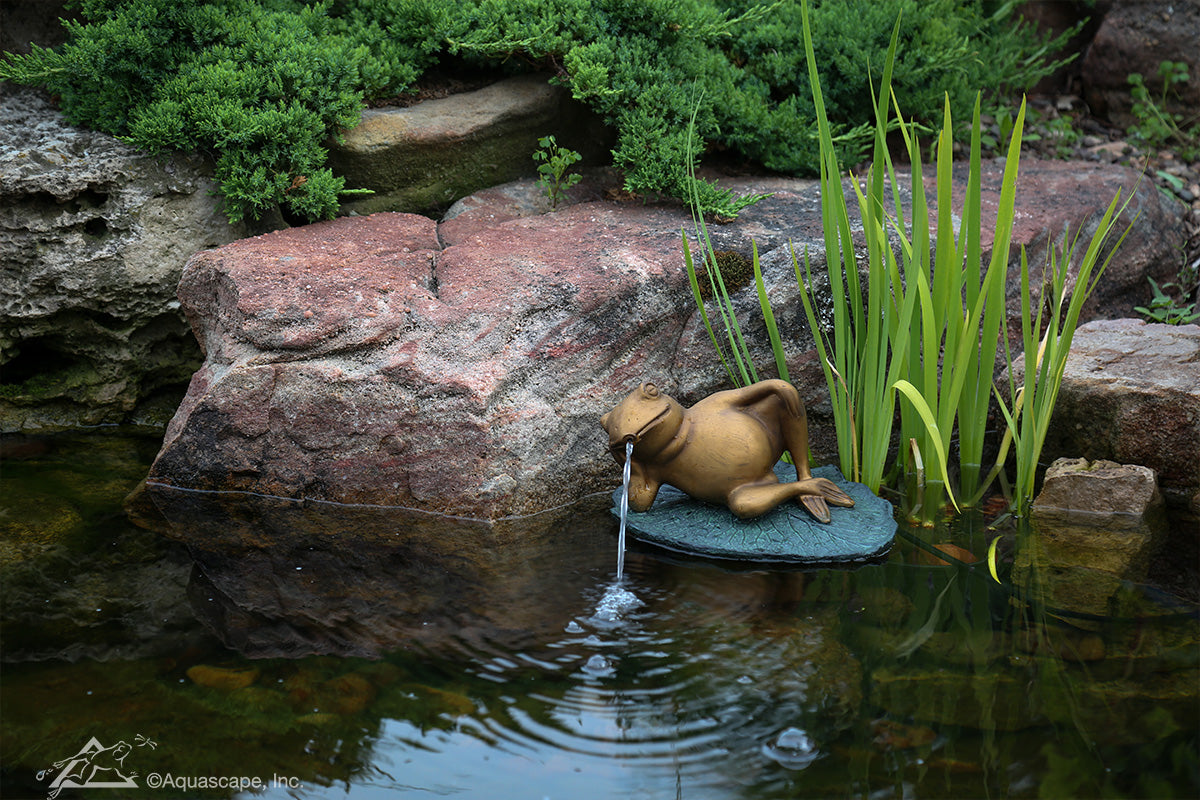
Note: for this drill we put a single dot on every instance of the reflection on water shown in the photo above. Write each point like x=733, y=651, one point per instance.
x=369, y=652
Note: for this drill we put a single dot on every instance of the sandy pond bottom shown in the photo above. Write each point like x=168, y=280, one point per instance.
x=311, y=651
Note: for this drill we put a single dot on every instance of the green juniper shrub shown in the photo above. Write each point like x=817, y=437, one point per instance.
x=263, y=85
x=259, y=85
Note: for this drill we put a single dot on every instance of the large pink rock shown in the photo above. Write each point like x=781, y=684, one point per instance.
x=357, y=361
x=462, y=367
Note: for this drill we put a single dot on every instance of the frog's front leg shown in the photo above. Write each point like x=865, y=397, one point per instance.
x=642, y=488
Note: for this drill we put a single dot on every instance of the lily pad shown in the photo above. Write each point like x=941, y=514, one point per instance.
x=786, y=534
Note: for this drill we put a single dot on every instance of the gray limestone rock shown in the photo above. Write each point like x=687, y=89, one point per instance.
x=93, y=238
x=1077, y=488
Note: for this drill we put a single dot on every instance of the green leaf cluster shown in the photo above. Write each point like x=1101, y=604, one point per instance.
x=553, y=162
x=1156, y=126
x=1166, y=308
x=263, y=85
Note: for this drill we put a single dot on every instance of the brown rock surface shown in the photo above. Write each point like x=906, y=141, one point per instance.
x=1078, y=486
x=1098, y=524
x=428, y=155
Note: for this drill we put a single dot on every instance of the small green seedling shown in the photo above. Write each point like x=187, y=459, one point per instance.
x=553, y=162
x=1163, y=306
x=1156, y=127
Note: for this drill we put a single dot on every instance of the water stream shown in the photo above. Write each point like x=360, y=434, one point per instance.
x=617, y=599
x=624, y=510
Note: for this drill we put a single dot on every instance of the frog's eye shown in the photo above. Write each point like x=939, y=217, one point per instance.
x=650, y=390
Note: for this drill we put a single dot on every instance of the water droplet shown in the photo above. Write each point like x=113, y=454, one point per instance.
x=792, y=748
x=599, y=666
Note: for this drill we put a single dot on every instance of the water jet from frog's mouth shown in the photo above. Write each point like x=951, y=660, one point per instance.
x=617, y=599
x=624, y=510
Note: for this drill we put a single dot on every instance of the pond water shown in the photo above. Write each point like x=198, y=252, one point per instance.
x=309, y=650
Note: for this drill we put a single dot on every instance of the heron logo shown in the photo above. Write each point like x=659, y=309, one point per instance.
x=95, y=767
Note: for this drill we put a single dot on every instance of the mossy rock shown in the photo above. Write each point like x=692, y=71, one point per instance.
x=736, y=271
x=222, y=678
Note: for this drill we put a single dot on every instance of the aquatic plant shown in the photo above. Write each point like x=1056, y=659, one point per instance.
x=928, y=323
x=1045, y=361
x=714, y=287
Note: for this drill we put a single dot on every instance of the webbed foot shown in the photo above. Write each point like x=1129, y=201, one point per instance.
x=816, y=506
x=819, y=494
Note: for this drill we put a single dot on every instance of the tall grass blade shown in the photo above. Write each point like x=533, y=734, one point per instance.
x=764, y=304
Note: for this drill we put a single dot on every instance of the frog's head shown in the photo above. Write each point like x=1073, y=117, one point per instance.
x=647, y=417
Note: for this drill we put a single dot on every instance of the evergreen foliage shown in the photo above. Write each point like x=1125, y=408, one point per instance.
x=262, y=85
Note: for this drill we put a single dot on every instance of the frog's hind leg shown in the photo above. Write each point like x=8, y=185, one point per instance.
x=777, y=404
x=755, y=499
x=815, y=494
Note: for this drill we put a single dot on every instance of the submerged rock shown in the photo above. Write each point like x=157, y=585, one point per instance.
x=287, y=578
x=80, y=582
x=223, y=678
x=1113, y=712
x=1097, y=526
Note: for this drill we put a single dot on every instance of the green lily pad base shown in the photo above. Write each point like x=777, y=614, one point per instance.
x=786, y=534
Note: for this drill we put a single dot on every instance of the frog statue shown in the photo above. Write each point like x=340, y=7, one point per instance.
x=721, y=450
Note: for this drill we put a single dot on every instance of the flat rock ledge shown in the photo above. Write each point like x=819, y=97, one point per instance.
x=1131, y=394
x=462, y=367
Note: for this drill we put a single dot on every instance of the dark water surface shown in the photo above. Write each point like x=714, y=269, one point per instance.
x=322, y=651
